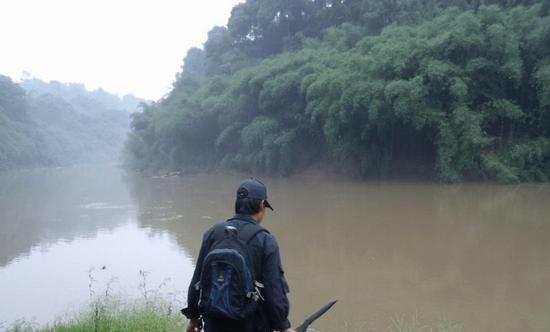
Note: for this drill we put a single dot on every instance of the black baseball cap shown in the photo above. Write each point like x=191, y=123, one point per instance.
x=253, y=188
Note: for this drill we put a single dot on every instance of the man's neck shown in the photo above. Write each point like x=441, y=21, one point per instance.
x=254, y=217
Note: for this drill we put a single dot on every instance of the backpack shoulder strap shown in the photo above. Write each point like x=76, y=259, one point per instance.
x=218, y=231
x=249, y=230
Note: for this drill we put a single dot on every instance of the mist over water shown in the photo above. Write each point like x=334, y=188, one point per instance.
x=474, y=254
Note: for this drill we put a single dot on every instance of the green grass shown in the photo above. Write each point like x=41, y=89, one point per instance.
x=115, y=315
x=159, y=316
x=109, y=314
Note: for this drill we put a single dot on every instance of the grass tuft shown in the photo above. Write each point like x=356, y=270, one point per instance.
x=115, y=315
x=400, y=324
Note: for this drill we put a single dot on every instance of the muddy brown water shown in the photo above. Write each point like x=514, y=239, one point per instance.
x=473, y=254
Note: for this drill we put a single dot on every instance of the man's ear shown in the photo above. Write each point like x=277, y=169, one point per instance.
x=262, y=205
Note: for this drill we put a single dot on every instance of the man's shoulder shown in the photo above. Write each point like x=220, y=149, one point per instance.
x=240, y=224
x=210, y=231
x=268, y=241
x=263, y=236
x=266, y=235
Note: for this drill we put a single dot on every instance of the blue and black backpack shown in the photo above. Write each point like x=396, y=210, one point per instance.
x=228, y=290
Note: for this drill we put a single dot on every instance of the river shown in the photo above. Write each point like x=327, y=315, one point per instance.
x=474, y=254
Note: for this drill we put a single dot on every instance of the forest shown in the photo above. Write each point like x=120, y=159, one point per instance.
x=452, y=90
x=49, y=124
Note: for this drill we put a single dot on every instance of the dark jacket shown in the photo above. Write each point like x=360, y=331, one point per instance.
x=264, y=252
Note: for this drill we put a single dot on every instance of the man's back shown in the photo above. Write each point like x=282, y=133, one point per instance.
x=272, y=313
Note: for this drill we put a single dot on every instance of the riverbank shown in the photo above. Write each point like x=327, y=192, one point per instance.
x=114, y=315
x=110, y=315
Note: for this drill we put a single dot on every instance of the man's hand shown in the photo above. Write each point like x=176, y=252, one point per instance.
x=194, y=325
x=289, y=330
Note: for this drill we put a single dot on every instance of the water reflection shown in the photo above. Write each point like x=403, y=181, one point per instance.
x=53, y=280
x=45, y=205
x=62, y=229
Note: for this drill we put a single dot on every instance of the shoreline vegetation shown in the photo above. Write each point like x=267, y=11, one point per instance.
x=158, y=315
x=450, y=90
x=154, y=312
x=115, y=315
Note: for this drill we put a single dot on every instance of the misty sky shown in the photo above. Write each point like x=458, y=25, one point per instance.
x=122, y=46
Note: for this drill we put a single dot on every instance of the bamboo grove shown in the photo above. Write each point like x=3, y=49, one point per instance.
x=454, y=90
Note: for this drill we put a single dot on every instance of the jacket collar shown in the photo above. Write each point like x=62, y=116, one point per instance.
x=245, y=217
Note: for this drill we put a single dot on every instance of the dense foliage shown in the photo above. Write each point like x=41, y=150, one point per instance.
x=54, y=124
x=456, y=89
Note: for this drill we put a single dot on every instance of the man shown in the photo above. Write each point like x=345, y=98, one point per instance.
x=266, y=307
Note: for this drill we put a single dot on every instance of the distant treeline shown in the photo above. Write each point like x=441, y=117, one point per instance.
x=54, y=124
x=455, y=89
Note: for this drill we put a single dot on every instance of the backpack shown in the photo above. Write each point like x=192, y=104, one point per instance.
x=228, y=290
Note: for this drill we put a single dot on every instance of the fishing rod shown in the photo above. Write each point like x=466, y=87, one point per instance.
x=312, y=318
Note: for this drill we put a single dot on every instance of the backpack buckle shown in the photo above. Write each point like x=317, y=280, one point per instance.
x=258, y=284
x=258, y=295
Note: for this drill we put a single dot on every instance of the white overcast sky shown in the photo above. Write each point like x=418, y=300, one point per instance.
x=122, y=46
